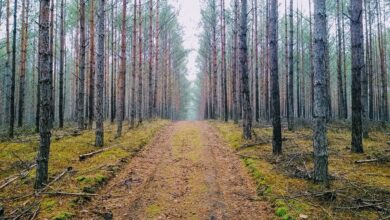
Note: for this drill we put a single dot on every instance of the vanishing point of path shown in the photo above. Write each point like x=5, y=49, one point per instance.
x=186, y=172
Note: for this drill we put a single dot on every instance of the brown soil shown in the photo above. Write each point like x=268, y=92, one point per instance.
x=187, y=172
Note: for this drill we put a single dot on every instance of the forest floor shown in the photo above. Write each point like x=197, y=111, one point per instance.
x=73, y=180
x=196, y=170
x=359, y=186
x=186, y=172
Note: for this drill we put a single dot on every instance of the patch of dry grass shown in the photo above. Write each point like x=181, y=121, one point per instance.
x=86, y=176
x=284, y=180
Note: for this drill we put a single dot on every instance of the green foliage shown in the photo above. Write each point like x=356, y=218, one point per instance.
x=63, y=216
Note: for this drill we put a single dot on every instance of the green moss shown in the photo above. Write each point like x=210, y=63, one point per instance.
x=281, y=211
x=153, y=210
x=63, y=216
x=48, y=204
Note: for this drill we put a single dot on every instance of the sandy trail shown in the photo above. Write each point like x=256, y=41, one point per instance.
x=187, y=172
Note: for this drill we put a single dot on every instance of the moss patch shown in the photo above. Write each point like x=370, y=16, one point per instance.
x=279, y=179
x=87, y=176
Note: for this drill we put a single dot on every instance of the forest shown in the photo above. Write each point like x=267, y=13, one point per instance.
x=206, y=109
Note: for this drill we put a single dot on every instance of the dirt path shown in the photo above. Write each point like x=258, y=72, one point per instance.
x=187, y=172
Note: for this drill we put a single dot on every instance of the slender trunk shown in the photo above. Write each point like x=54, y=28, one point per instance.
x=23, y=56
x=91, y=97
x=247, y=110
x=122, y=75
x=150, y=106
x=257, y=92
x=365, y=73
x=234, y=68
x=45, y=75
x=357, y=60
x=215, y=64
x=290, y=101
x=275, y=107
x=342, y=113
x=61, y=73
x=320, y=143
x=134, y=63
x=13, y=65
x=100, y=75
x=156, y=59
x=81, y=77
x=140, y=72
x=7, y=66
x=223, y=68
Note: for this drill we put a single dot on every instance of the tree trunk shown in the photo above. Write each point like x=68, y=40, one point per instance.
x=320, y=143
x=13, y=65
x=150, y=106
x=23, y=57
x=134, y=63
x=100, y=75
x=290, y=101
x=223, y=67
x=61, y=73
x=45, y=76
x=122, y=75
x=342, y=113
x=247, y=110
x=235, y=73
x=357, y=60
x=157, y=59
x=81, y=77
x=274, y=69
x=140, y=72
x=91, y=97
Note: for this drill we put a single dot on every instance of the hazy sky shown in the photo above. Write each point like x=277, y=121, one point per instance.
x=189, y=18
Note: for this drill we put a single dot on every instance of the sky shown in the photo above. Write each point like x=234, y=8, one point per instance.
x=189, y=18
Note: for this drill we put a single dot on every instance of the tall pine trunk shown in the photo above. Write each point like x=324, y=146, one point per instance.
x=100, y=75
x=13, y=73
x=150, y=103
x=274, y=69
x=81, y=76
x=235, y=74
x=290, y=101
x=45, y=72
x=357, y=60
x=247, y=109
x=23, y=59
x=122, y=75
x=134, y=70
x=91, y=97
x=320, y=143
x=62, y=68
x=140, y=60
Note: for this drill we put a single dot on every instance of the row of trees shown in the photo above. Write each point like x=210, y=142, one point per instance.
x=295, y=66
x=87, y=62
x=297, y=56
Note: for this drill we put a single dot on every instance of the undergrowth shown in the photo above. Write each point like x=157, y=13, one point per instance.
x=86, y=176
x=285, y=181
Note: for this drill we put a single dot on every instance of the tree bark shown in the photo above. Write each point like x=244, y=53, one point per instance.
x=247, y=109
x=357, y=66
x=290, y=101
x=235, y=73
x=45, y=72
x=140, y=72
x=91, y=98
x=122, y=75
x=23, y=57
x=320, y=143
x=61, y=72
x=150, y=105
x=274, y=69
x=100, y=75
x=81, y=76
x=134, y=63
x=13, y=73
